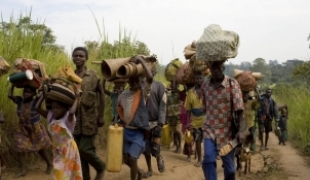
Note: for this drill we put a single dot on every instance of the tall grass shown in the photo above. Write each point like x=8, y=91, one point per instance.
x=16, y=42
x=298, y=102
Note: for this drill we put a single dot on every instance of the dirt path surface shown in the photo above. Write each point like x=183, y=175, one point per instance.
x=288, y=162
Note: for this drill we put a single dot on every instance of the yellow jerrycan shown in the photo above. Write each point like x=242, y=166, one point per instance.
x=115, y=148
x=166, y=137
x=188, y=137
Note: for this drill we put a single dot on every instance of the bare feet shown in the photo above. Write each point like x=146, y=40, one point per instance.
x=21, y=174
x=147, y=174
x=178, y=150
x=189, y=159
x=198, y=164
x=49, y=169
x=99, y=175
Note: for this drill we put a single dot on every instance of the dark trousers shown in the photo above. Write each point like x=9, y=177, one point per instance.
x=88, y=155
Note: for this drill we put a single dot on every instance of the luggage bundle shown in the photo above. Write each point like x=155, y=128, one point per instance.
x=63, y=86
x=172, y=69
x=247, y=79
x=216, y=44
x=122, y=69
x=4, y=66
x=28, y=72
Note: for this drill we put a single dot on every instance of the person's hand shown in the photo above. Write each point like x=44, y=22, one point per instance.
x=189, y=127
x=136, y=59
x=100, y=121
x=241, y=137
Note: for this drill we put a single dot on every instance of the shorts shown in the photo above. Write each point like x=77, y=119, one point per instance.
x=265, y=126
x=197, y=132
x=134, y=143
x=152, y=147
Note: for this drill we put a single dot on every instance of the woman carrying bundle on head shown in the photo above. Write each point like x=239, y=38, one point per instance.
x=61, y=119
x=30, y=134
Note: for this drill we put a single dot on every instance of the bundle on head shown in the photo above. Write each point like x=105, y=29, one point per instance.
x=216, y=44
x=4, y=66
x=37, y=69
x=190, y=50
x=185, y=75
x=172, y=69
x=198, y=65
x=246, y=79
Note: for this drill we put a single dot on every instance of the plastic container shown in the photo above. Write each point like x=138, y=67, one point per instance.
x=115, y=148
x=166, y=138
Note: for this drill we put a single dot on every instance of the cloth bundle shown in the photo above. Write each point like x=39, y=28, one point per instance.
x=4, y=66
x=246, y=79
x=185, y=75
x=216, y=44
x=172, y=69
x=63, y=86
x=36, y=67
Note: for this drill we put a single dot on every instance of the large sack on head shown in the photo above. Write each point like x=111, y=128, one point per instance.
x=216, y=44
x=246, y=79
x=36, y=67
x=68, y=73
x=198, y=65
x=172, y=69
x=185, y=75
x=4, y=66
x=190, y=50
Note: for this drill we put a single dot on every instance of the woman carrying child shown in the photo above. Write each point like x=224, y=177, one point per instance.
x=134, y=115
x=61, y=119
x=30, y=134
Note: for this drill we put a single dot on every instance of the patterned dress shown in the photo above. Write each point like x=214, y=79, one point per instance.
x=30, y=134
x=66, y=157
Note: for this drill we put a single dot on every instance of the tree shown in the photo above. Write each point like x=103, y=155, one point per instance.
x=302, y=72
x=260, y=65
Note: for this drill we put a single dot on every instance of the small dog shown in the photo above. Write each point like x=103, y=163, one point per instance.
x=243, y=155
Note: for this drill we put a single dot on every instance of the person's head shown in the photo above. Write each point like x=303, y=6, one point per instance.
x=135, y=83
x=198, y=78
x=245, y=96
x=217, y=69
x=284, y=113
x=29, y=92
x=59, y=109
x=80, y=56
x=268, y=92
x=118, y=87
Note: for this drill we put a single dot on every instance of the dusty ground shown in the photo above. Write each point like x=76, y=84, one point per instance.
x=282, y=162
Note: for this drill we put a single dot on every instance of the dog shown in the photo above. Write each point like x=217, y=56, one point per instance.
x=243, y=154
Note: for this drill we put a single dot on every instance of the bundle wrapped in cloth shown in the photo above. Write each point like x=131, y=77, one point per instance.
x=28, y=72
x=185, y=75
x=63, y=86
x=172, y=69
x=247, y=79
x=4, y=66
x=216, y=44
x=197, y=65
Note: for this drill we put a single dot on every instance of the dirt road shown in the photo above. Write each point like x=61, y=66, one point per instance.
x=282, y=162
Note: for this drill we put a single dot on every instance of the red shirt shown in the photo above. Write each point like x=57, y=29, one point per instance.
x=217, y=101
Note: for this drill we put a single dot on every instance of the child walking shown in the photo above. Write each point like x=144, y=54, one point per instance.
x=134, y=115
x=66, y=157
x=282, y=124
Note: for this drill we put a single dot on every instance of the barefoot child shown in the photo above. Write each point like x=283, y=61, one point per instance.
x=282, y=124
x=30, y=134
x=134, y=115
x=66, y=157
x=193, y=105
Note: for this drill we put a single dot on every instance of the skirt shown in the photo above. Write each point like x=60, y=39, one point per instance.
x=31, y=137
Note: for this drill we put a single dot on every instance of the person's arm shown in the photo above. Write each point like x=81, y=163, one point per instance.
x=38, y=107
x=11, y=95
x=149, y=75
x=100, y=120
x=162, y=108
x=73, y=107
x=107, y=92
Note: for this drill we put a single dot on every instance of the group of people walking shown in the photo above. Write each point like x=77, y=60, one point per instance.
x=211, y=108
